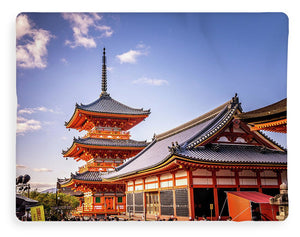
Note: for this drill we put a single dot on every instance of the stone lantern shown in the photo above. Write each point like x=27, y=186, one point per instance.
x=282, y=201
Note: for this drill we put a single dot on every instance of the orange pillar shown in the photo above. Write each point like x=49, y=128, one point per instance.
x=237, y=180
x=216, y=200
x=174, y=200
x=191, y=194
x=158, y=186
x=258, y=181
x=279, y=178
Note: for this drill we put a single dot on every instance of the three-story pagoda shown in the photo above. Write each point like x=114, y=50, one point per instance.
x=106, y=145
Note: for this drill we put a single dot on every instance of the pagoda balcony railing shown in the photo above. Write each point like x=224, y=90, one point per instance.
x=100, y=209
x=108, y=134
x=95, y=166
x=79, y=209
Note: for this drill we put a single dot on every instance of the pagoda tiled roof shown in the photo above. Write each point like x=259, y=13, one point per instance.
x=186, y=139
x=87, y=176
x=106, y=104
x=107, y=143
x=277, y=110
x=110, y=142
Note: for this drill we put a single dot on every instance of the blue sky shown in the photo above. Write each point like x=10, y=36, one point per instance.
x=178, y=65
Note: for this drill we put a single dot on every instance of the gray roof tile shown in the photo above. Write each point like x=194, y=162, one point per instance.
x=235, y=154
x=88, y=176
x=111, y=142
x=105, y=104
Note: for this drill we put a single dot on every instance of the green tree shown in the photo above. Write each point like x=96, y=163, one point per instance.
x=54, y=204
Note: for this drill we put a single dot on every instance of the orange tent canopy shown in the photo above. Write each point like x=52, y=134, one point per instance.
x=240, y=205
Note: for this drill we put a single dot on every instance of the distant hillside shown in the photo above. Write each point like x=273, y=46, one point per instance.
x=49, y=190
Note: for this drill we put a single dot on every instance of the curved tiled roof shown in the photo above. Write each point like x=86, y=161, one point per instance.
x=107, y=143
x=110, y=142
x=277, y=109
x=105, y=104
x=235, y=154
x=87, y=176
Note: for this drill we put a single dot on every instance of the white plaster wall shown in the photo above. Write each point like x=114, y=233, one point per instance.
x=268, y=173
x=269, y=181
x=151, y=186
x=247, y=173
x=225, y=173
x=201, y=172
x=166, y=184
x=181, y=182
x=248, y=181
x=166, y=176
x=202, y=181
x=226, y=181
x=138, y=187
x=180, y=173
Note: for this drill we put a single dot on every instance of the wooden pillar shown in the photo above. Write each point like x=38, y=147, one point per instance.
x=133, y=185
x=126, y=186
x=216, y=200
x=145, y=205
x=145, y=200
x=174, y=200
x=237, y=180
x=144, y=185
x=158, y=181
x=173, y=179
x=158, y=187
x=191, y=194
x=279, y=178
x=258, y=181
x=133, y=202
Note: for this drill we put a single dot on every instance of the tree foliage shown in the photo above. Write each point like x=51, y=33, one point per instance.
x=56, y=206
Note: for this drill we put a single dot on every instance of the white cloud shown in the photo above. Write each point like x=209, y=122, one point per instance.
x=21, y=166
x=64, y=61
x=42, y=170
x=32, y=51
x=22, y=26
x=110, y=69
x=129, y=57
x=41, y=186
x=132, y=55
x=26, y=125
x=151, y=81
x=80, y=24
x=34, y=110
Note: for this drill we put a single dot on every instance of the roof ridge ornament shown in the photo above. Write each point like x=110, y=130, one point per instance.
x=235, y=99
x=104, y=75
x=235, y=102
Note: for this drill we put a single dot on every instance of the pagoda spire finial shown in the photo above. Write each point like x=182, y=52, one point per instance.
x=104, y=78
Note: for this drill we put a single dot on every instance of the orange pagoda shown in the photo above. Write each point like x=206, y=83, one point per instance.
x=271, y=118
x=105, y=146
